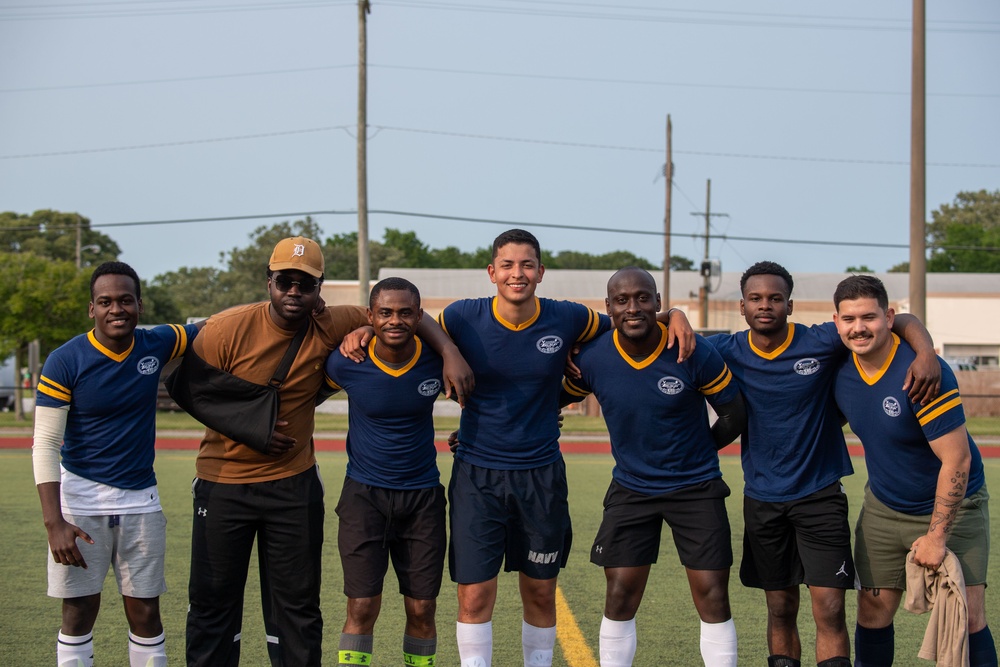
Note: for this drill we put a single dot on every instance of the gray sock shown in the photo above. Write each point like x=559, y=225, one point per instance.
x=355, y=649
x=419, y=652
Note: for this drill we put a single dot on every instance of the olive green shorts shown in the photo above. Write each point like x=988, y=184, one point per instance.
x=883, y=536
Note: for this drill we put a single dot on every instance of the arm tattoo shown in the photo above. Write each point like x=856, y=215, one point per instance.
x=945, y=509
x=958, y=481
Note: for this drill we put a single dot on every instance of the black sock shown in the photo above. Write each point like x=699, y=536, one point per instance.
x=782, y=661
x=982, y=650
x=874, y=647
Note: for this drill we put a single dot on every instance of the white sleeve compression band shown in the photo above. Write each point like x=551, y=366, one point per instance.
x=50, y=425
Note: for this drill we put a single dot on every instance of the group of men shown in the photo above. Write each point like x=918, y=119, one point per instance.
x=777, y=385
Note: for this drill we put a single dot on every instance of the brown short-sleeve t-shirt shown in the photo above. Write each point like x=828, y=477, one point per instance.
x=245, y=342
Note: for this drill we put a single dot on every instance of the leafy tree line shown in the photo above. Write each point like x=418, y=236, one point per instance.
x=45, y=292
x=969, y=223
x=46, y=259
x=208, y=290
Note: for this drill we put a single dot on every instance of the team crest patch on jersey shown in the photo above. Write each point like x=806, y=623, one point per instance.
x=549, y=344
x=891, y=406
x=806, y=366
x=670, y=385
x=148, y=365
x=430, y=387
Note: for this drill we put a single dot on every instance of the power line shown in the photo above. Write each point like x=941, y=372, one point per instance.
x=732, y=13
x=587, y=11
x=508, y=223
x=672, y=84
x=489, y=137
x=605, y=16
x=155, y=11
x=513, y=75
x=179, y=79
x=167, y=144
x=753, y=156
x=587, y=5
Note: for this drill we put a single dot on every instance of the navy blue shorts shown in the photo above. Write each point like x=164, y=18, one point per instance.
x=518, y=518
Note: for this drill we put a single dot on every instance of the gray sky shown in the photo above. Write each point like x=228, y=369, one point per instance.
x=535, y=111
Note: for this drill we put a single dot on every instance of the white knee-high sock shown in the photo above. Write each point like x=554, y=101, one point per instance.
x=718, y=644
x=75, y=651
x=475, y=643
x=537, y=644
x=617, y=642
x=147, y=651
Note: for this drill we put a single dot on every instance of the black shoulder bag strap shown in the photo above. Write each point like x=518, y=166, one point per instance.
x=286, y=361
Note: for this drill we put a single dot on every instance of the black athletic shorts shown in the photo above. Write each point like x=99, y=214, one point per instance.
x=629, y=535
x=799, y=541
x=518, y=518
x=406, y=525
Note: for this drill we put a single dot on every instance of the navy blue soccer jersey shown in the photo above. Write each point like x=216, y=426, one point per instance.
x=655, y=410
x=793, y=445
x=390, y=436
x=895, y=431
x=511, y=419
x=111, y=429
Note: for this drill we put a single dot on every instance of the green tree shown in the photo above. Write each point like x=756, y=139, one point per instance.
x=202, y=291
x=52, y=234
x=158, y=306
x=45, y=300
x=902, y=267
x=679, y=263
x=571, y=259
x=859, y=269
x=244, y=279
x=451, y=257
x=972, y=222
x=45, y=294
x=340, y=252
x=186, y=292
x=412, y=252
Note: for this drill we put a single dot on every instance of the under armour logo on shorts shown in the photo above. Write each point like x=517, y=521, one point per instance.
x=202, y=511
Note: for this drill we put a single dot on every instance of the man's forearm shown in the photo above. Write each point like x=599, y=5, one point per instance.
x=951, y=487
x=49, y=495
x=432, y=333
x=731, y=422
x=911, y=329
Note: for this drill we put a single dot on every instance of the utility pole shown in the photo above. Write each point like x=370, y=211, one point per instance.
x=668, y=173
x=918, y=169
x=706, y=270
x=78, y=248
x=364, y=8
x=706, y=264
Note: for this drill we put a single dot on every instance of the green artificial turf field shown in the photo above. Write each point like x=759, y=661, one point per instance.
x=667, y=623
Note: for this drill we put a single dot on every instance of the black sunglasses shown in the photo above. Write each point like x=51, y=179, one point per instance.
x=306, y=285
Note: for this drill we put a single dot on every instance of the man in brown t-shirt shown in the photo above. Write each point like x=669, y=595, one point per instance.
x=241, y=494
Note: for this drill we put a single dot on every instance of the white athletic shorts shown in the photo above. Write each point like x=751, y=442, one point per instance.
x=134, y=544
